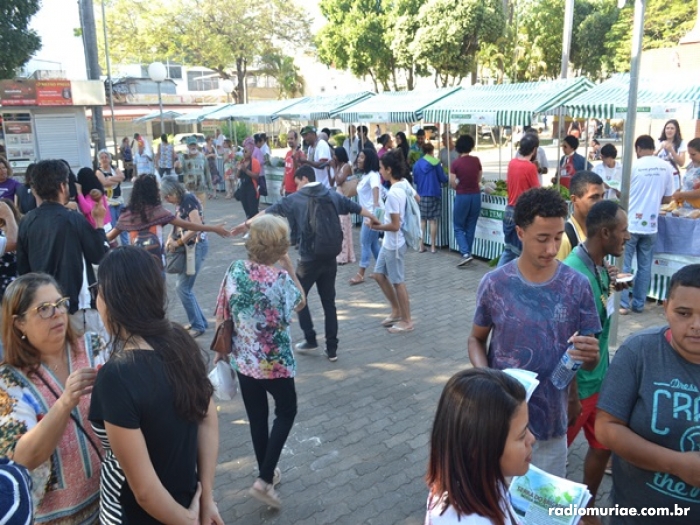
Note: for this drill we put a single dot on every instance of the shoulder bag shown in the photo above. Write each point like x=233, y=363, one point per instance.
x=175, y=262
x=223, y=338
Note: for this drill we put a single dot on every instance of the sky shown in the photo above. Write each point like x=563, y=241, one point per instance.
x=61, y=49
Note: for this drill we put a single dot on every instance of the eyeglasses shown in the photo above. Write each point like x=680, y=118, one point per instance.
x=48, y=310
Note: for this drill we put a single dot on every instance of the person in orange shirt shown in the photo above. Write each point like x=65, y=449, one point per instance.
x=289, y=186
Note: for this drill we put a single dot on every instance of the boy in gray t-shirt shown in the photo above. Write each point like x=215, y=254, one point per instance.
x=649, y=413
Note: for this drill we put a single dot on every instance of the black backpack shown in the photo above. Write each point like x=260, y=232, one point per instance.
x=570, y=232
x=322, y=234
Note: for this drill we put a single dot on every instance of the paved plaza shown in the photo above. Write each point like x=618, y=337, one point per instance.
x=358, y=450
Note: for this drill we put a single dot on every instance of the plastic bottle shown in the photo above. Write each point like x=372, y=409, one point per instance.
x=565, y=370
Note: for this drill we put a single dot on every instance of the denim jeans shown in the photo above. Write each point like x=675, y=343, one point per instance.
x=510, y=236
x=268, y=444
x=322, y=274
x=466, y=214
x=642, y=246
x=184, y=286
x=369, y=241
x=114, y=213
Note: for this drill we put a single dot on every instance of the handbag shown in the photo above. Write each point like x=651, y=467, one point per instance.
x=175, y=262
x=349, y=187
x=223, y=338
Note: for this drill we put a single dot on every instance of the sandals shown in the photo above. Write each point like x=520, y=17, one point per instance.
x=398, y=329
x=265, y=492
x=358, y=279
x=390, y=321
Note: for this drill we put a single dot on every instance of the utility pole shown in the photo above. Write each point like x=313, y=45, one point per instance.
x=87, y=22
x=565, y=56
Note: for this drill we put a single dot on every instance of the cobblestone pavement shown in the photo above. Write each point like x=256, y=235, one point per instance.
x=358, y=450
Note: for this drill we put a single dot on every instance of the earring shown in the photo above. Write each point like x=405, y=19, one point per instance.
x=24, y=337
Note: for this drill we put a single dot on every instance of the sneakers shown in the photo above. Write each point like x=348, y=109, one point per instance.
x=305, y=346
x=331, y=355
x=466, y=259
x=265, y=492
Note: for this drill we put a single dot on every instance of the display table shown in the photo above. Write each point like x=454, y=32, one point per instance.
x=677, y=244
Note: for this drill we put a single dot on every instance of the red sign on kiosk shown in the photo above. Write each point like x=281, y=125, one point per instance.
x=36, y=93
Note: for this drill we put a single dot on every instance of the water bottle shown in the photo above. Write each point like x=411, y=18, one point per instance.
x=565, y=370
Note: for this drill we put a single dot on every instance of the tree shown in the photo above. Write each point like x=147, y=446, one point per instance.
x=355, y=38
x=665, y=23
x=17, y=41
x=591, y=35
x=285, y=72
x=226, y=39
x=450, y=34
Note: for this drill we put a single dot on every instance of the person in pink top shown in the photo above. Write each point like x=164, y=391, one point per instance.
x=89, y=185
x=522, y=175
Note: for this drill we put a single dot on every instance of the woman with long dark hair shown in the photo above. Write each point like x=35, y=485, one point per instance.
x=369, y=193
x=144, y=218
x=480, y=437
x=672, y=148
x=402, y=145
x=151, y=403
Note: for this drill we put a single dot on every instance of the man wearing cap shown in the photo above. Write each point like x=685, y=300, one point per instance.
x=318, y=157
x=195, y=171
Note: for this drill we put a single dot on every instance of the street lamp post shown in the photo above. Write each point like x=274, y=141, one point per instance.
x=227, y=86
x=158, y=73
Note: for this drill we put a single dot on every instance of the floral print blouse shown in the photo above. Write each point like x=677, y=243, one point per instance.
x=261, y=300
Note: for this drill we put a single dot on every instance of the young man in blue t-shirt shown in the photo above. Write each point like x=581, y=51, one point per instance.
x=532, y=308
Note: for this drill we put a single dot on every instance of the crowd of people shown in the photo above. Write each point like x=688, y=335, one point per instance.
x=106, y=403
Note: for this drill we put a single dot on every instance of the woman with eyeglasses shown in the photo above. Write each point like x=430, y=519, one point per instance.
x=45, y=383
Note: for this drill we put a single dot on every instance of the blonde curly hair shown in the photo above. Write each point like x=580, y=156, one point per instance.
x=268, y=239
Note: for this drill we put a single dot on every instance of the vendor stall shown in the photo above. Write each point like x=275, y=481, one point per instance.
x=393, y=107
x=45, y=119
x=321, y=107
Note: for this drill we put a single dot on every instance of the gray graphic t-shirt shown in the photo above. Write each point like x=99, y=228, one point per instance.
x=532, y=323
x=657, y=393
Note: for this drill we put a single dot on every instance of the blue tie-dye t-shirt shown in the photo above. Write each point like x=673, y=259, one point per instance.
x=531, y=324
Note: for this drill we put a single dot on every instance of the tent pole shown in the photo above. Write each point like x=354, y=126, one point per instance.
x=500, y=164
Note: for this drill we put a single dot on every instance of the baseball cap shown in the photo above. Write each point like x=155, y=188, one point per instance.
x=307, y=129
x=191, y=140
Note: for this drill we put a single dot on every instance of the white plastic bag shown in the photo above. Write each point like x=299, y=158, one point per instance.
x=223, y=378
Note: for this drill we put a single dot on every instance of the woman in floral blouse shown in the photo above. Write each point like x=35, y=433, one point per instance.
x=45, y=385
x=261, y=300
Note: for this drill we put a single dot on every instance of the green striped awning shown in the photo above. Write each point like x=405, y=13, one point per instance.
x=193, y=117
x=259, y=112
x=393, y=106
x=505, y=104
x=321, y=107
x=155, y=115
x=679, y=98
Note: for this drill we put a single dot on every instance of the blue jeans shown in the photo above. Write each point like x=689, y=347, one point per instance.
x=466, y=214
x=184, y=286
x=369, y=240
x=642, y=246
x=510, y=236
x=114, y=213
